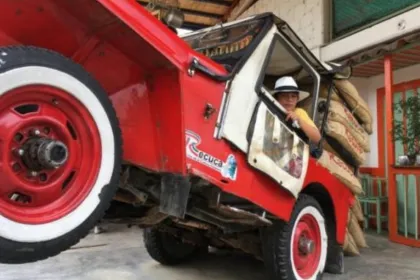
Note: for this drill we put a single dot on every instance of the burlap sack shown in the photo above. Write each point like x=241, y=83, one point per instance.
x=339, y=113
x=340, y=170
x=350, y=94
x=330, y=149
x=357, y=211
x=350, y=247
x=339, y=132
x=356, y=231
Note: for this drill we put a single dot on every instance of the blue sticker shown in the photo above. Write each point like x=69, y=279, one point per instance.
x=228, y=168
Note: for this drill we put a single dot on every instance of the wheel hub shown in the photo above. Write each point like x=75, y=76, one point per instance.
x=51, y=150
x=39, y=153
x=306, y=246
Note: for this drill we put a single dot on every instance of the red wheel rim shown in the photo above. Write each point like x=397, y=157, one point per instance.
x=306, y=246
x=42, y=112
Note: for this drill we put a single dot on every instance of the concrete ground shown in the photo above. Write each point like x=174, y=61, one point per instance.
x=120, y=254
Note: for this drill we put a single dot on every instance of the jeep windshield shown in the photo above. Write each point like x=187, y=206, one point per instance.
x=227, y=44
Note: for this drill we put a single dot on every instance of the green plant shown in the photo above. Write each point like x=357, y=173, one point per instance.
x=407, y=130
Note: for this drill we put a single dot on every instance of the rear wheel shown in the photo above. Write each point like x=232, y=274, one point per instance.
x=298, y=249
x=168, y=249
x=60, y=152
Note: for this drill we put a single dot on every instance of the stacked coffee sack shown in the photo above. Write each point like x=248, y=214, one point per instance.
x=349, y=122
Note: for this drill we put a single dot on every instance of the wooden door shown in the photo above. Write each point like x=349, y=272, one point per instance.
x=404, y=180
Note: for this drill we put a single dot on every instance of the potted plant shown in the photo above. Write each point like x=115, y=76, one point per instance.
x=408, y=130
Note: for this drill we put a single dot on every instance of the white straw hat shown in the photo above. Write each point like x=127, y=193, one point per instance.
x=288, y=84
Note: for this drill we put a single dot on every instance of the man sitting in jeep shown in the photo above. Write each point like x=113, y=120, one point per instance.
x=287, y=93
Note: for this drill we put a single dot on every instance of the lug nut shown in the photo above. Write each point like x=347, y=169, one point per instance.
x=43, y=177
x=20, y=152
x=18, y=137
x=34, y=173
x=14, y=197
x=16, y=167
x=36, y=132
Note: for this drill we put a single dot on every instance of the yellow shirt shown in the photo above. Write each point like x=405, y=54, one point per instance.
x=304, y=116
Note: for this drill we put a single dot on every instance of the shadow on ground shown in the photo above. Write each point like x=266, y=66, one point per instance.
x=120, y=254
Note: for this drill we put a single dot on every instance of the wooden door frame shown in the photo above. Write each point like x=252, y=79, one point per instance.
x=389, y=90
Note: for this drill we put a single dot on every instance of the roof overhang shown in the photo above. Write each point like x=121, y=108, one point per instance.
x=364, y=50
x=405, y=52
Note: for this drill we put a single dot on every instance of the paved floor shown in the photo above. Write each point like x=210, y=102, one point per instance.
x=119, y=254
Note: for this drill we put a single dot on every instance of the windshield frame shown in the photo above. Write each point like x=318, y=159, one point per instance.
x=267, y=24
x=279, y=37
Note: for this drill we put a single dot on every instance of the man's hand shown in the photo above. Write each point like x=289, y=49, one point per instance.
x=292, y=116
x=312, y=132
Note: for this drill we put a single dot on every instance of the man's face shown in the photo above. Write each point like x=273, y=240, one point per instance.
x=288, y=100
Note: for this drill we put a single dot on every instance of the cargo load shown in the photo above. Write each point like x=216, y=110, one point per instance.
x=345, y=144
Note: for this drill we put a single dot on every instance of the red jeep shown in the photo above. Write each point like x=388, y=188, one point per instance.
x=105, y=111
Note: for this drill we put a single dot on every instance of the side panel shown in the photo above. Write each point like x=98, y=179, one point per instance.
x=243, y=98
x=166, y=101
x=218, y=161
x=341, y=196
x=132, y=105
x=278, y=151
x=228, y=168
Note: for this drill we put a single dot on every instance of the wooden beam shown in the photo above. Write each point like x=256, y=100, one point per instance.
x=194, y=5
x=201, y=20
x=240, y=8
x=218, y=2
x=227, y=14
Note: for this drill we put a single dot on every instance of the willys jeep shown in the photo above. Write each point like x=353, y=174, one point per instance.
x=105, y=113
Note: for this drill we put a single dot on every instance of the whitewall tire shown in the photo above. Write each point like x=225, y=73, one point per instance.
x=62, y=148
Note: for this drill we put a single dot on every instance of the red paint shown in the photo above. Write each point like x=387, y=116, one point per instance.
x=341, y=196
x=142, y=65
x=392, y=192
x=50, y=199
x=307, y=230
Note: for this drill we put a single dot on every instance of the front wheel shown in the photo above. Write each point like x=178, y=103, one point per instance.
x=60, y=153
x=298, y=249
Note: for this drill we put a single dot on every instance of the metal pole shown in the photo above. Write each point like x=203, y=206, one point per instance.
x=392, y=194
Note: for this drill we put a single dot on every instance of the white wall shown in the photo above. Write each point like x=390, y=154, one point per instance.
x=306, y=17
x=367, y=89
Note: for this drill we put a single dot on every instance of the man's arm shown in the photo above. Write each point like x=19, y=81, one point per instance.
x=306, y=125
x=312, y=132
